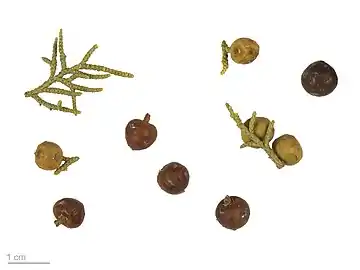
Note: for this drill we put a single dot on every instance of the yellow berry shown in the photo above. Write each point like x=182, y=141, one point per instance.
x=261, y=125
x=244, y=51
x=288, y=149
x=48, y=156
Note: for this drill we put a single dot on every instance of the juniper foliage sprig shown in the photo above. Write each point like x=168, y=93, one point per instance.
x=254, y=140
x=75, y=72
x=66, y=164
x=225, y=62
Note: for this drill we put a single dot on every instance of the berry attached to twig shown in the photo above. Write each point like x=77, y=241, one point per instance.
x=49, y=156
x=260, y=128
x=242, y=51
x=287, y=150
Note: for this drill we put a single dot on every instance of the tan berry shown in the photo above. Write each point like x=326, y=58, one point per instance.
x=48, y=156
x=244, y=51
x=288, y=149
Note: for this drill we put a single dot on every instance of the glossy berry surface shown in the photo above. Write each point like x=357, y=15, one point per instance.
x=319, y=79
x=173, y=178
x=69, y=212
x=140, y=134
x=232, y=212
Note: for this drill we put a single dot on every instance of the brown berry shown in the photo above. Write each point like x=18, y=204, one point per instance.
x=288, y=149
x=48, y=156
x=140, y=134
x=69, y=213
x=173, y=178
x=261, y=125
x=319, y=79
x=244, y=50
x=232, y=212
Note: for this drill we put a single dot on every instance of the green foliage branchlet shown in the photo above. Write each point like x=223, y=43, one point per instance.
x=67, y=75
x=224, y=60
x=67, y=162
x=254, y=140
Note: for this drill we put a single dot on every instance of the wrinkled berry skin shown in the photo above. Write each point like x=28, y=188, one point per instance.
x=69, y=212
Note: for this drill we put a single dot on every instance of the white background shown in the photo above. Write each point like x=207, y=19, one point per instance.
x=302, y=217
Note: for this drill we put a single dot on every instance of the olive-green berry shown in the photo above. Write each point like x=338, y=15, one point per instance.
x=260, y=128
x=288, y=149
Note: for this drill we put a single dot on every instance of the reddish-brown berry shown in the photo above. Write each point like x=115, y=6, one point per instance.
x=232, y=212
x=140, y=134
x=69, y=212
x=173, y=178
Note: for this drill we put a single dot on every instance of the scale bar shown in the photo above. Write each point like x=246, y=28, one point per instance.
x=28, y=262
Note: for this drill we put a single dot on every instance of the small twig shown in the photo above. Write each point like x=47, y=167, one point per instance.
x=83, y=75
x=46, y=60
x=53, y=59
x=61, y=219
x=107, y=70
x=89, y=53
x=254, y=140
x=59, y=91
x=268, y=135
x=227, y=201
x=249, y=144
x=252, y=122
x=58, y=222
x=59, y=104
x=51, y=106
x=78, y=87
x=61, y=50
x=73, y=100
x=66, y=164
x=225, y=62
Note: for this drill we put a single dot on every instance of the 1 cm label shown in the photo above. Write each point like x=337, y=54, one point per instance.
x=16, y=257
